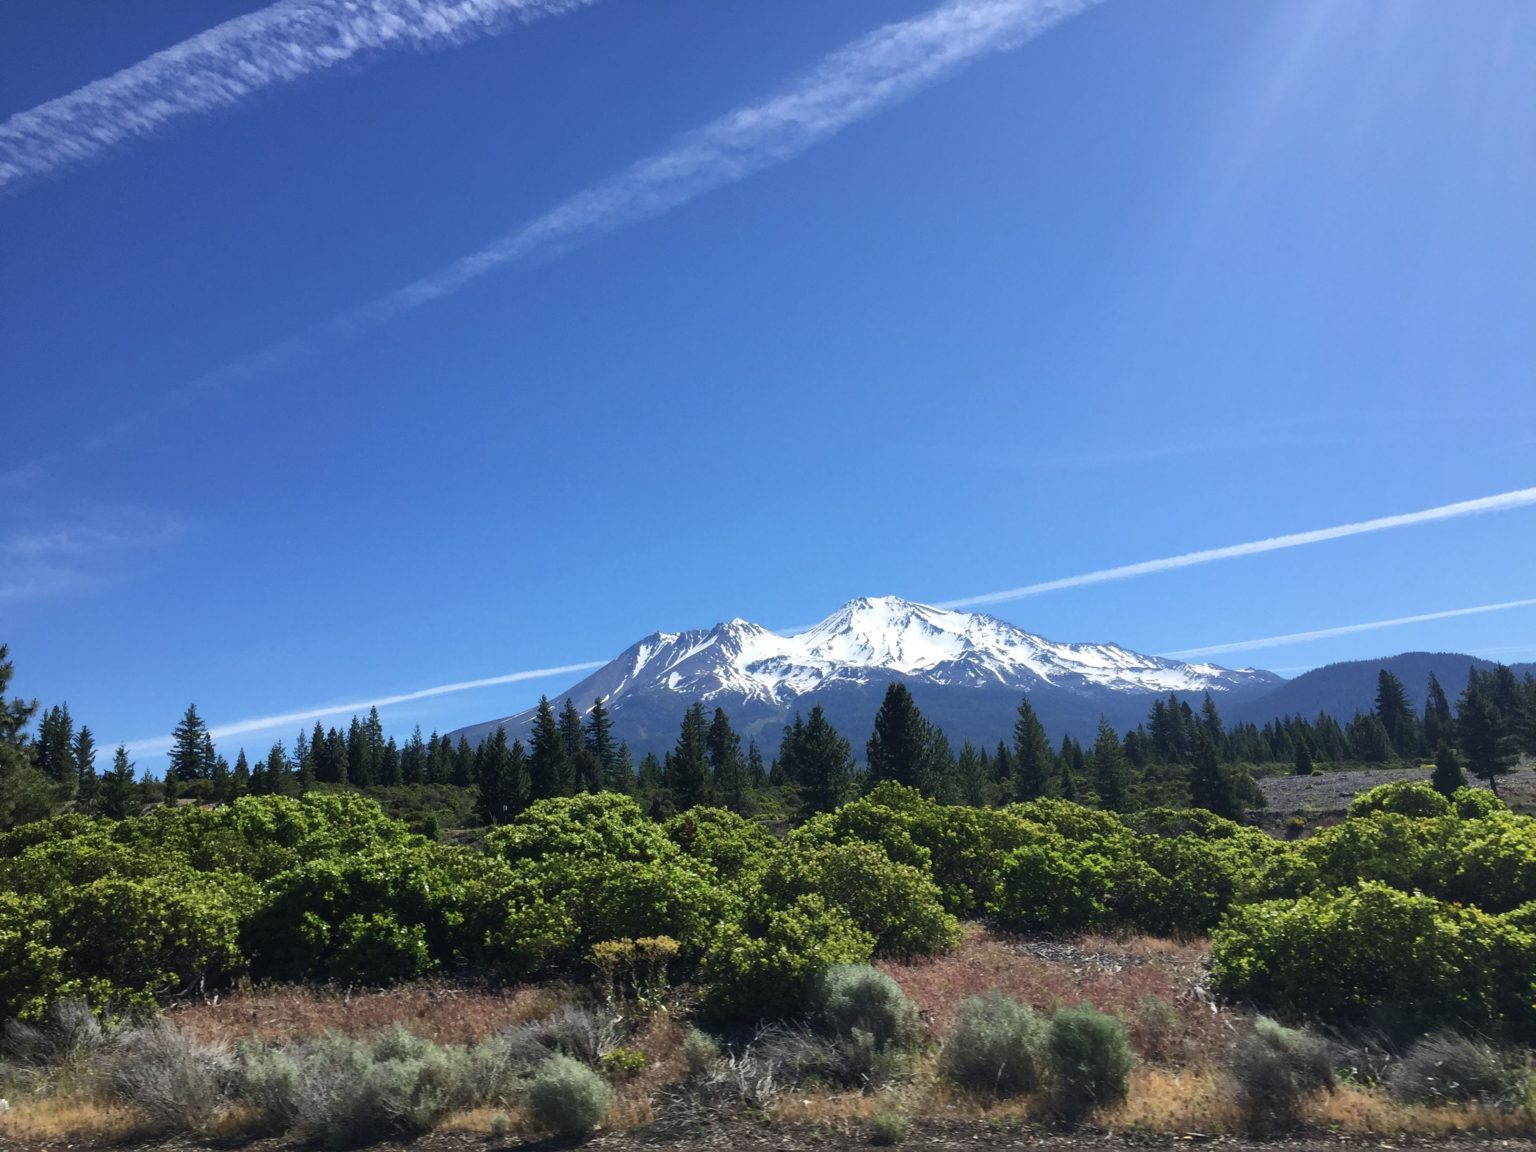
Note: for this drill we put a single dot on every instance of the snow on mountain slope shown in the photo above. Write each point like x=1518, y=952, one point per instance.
x=872, y=638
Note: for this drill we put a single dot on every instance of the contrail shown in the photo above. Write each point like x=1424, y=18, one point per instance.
x=1346, y=629
x=287, y=719
x=237, y=59
x=862, y=78
x=1503, y=502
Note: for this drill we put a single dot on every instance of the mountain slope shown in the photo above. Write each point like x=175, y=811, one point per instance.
x=1342, y=689
x=967, y=672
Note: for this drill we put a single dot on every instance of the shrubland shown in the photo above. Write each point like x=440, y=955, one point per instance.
x=1413, y=920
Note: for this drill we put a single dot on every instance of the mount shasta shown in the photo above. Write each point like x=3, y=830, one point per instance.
x=966, y=671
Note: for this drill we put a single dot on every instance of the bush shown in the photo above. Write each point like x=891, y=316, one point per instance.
x=1090, y=1060
x=1405, y=797
x=767, y=967
x=1448, y=1068
x=873, y=1024
x=567, y=1098
x=997, y=1046
x=70, y=1033
x=887, y=1128
x=700, y=1051
x=857, y=998
x=175, y=1082
x=1273, y=1069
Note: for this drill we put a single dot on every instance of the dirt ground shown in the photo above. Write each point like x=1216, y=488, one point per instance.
x=1325, y=799
x=930, y=1135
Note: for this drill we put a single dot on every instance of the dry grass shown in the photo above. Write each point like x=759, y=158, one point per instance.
x=440, y=1012
x=1117, y=976
x=1354, y=1109
x=74, y=1118
x=1163, y=1100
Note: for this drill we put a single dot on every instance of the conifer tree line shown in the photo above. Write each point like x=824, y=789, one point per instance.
x=1179, y=756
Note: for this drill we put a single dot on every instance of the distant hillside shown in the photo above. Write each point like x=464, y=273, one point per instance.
x=1341, y=689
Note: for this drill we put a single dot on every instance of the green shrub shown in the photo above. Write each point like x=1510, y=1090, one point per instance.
x=720, y=838
x=766, y=967
x=896, y=904
x=887, y=1128
x=567, y=1098
x=1273, y=1069
x=700, y=1051
x=1476, y=803
x=1373, y=953
x=623, y=1063
x=1405, y=797
x=858, y=998
x=267, y=1081
x=1448, y=1068
x=997, y=1046
x=1090, y=1061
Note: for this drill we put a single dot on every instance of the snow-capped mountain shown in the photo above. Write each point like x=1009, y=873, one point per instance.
x=966, y=670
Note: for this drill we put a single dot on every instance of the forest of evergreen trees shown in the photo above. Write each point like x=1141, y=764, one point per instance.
x=1178, y=756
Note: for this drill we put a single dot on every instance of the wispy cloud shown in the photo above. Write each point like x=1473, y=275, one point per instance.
x=867, y=76
x=237, y=59
x=286, y=720
x=1349, y=629
x=39, y=562
x=1503, y=502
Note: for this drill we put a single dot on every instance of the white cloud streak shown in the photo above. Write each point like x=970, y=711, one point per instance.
x=284, y=720
x=1503, y=502
x=1348, y=629
x=869, y=75
x=855, y=82
x=235, y=60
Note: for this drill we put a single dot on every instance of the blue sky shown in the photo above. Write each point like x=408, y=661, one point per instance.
x=1163, y=278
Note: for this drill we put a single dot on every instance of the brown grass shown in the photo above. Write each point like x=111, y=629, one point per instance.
x=1118, y=976
x=441, y=1012
x=1354, y=1109
x=51, y=1119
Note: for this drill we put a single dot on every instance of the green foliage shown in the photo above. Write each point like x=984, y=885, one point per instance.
x=997, y=1046
x=887, y=1128
x=1404, y=797
x=1090, y=1061
x=896, y=904
x=1373, y=953
x=567, y=1098
x=720, y=838
x=767, y=966
x=856, y=1000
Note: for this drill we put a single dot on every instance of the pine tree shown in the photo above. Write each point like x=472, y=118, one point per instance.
x=359, y=770
x=1368, y=738
x=823, y=763
x=170, y=791
x=189, y=748
x=1067, y=773
x=727, y=771
x=501, y=777
x=757, y=771
x=652, y=779
x=439, y=761
x=240, y=779
x=1109, y=768
x=119, y=788
x=55, y=751
x=219, y=793
x=463, y=764
x=973, y=776
x=549, y=764
x=279, y=771
x=1481, y=732
x=623, y=780
x=901, y=747
x=1448, y=775
x=391, y=774
x=1032, y=760
x=1395, y=714
x=1303, y=765
x=1210, y=720
x=599, y=741
x=1209, y=787
x=687, y=765
x=88, y=784
x=585, y=773
x=413, y=758
x=25, y=793
x=1437, y=715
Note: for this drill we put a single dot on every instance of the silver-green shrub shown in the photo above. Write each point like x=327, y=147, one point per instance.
x=997, y=1046
x=567, y=1098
